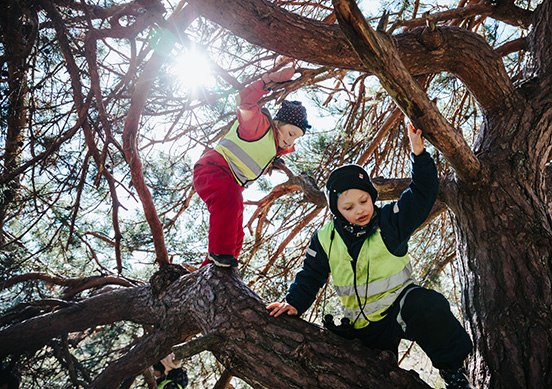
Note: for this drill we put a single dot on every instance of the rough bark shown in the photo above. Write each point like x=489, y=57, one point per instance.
x=264, y=351
x=504, y=233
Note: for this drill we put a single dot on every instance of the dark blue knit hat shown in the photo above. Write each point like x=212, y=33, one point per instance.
x=344, y=178
x=293, y=112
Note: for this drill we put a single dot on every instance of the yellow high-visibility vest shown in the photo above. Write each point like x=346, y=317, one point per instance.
x=380, y=276
x=247, y=159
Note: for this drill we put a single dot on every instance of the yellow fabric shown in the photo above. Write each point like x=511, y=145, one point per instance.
x=247, y=159
x=380, y=275
x=164, y=383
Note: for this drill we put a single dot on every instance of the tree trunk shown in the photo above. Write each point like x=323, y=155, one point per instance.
x=19, y=38
x=504, y=237
x=504, y=233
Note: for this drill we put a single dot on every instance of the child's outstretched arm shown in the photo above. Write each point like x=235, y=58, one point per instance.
x=248, y=108
x=401, y=218
x=416, y=140
x=276, y=309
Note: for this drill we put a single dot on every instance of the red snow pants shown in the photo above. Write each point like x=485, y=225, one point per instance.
x=217, y=187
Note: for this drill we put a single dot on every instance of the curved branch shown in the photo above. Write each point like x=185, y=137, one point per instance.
x=124, y=304
x=67, y=282
x=180, y=18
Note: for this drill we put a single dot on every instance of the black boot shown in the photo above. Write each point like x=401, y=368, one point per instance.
x=223, y=260
x=456, y=379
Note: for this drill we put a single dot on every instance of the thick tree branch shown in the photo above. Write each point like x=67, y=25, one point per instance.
x=512, y=46
x=465, y=54
x=506, y=11
x=149, y=351
x=216, y=301
x=124, y=304
x=293, y=351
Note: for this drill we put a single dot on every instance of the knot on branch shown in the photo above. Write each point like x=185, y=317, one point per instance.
x=165, y=276
x=303, y=352
x=431, y=37
x=311, y=192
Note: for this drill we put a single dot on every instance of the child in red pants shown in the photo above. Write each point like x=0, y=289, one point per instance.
x=244, y=154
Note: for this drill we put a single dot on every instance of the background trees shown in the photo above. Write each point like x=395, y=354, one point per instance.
x=100, y=130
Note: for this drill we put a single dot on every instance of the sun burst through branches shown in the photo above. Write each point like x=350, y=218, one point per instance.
x=193, y=71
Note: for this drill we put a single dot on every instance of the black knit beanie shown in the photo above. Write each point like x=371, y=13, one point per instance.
x=344, y=178
x=293, y=112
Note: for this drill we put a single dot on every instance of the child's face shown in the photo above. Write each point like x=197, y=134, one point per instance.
x=287, y=135
x=356, y=206
x=157, y=374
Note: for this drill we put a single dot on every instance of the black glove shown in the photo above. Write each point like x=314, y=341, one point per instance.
x=345, y=329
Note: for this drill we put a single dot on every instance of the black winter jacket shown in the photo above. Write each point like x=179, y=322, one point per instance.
x=397, y=221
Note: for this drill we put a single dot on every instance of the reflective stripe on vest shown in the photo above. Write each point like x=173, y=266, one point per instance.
x=247, y=159
x=380, y=278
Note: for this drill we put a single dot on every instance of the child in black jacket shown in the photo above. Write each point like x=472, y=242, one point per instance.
x=365, y=249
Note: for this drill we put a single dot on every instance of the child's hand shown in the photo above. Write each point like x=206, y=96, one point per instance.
x=277, y=164
x=278, y=308
x=416, y=140
x=279, y=76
